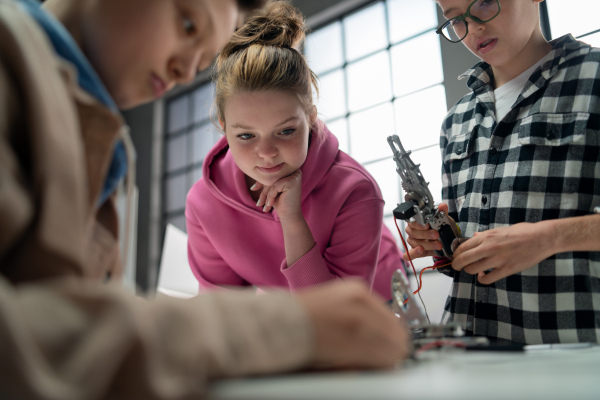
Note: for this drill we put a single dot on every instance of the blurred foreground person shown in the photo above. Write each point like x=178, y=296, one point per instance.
x=67, y=332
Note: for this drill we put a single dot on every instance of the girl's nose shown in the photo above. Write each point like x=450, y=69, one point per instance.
x=266, y=149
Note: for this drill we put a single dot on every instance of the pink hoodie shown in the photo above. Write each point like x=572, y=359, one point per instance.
x=232, y=242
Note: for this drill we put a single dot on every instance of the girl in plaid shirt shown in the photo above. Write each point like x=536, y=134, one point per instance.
x=521, y=177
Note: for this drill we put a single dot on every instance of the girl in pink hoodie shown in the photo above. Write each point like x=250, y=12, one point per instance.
x=279, y=205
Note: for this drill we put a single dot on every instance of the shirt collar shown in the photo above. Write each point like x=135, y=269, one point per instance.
x=482, y=75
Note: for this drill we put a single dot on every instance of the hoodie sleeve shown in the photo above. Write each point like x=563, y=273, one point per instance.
x=73, y=339
x=353, y=248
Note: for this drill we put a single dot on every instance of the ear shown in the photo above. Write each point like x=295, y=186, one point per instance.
x=222, y=124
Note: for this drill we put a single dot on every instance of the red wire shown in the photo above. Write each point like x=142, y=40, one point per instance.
x=420, y=280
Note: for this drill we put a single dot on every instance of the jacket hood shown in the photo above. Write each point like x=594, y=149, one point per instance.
x=227, y=183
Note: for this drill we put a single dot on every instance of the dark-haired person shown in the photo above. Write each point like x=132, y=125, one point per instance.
x=66, y=68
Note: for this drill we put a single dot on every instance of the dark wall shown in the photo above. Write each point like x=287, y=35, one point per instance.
x=140, y=121
x=312, y=7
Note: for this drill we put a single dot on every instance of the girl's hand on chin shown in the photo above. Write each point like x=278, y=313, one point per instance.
x=284, y=195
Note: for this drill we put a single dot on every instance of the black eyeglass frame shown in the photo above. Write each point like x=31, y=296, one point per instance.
x=463, y=18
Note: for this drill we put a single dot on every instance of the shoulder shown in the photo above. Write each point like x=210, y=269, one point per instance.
x=349, y=176
x=460, y=113
x=198, y=196
x=21, y=36
x=578, y=58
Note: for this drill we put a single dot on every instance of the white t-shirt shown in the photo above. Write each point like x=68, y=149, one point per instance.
x=507, y=94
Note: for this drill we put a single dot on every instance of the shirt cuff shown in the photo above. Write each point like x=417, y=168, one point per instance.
x=309, y=270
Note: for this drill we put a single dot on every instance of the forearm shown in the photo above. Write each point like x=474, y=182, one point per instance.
x=297, y=237
x=572, y=234
x=73, y=339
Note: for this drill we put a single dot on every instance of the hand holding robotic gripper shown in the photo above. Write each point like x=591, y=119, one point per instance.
x=419, y=201
x=419, y=206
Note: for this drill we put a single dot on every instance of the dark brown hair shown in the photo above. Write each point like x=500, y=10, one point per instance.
x=264, y=55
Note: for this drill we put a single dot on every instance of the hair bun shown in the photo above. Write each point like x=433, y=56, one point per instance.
x=281, y=25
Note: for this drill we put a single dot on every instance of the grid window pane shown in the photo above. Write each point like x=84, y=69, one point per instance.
x=175, y=192
x=176, y=152
x=339, y=128
x=407, y=18
x=419, y=117
x=573, y=16
x=323, y=48
x=205, y=136
x=365, y=32
x=420, y=58
x=369, y=81
x=190, y=180
x=178, y=114
x=332, y=95
x=430, y=162
x=203, y=100
x=369, y=131
x=385, y=174
x=196, y=174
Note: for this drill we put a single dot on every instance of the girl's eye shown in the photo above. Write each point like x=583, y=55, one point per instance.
x=287, y=132
x=188, y=26
x=245, y=136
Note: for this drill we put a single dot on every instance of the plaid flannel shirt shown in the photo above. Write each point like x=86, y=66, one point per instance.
x=540, y=162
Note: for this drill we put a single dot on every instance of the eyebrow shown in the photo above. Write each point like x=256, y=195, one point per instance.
x=240, y=125
x=448, y=11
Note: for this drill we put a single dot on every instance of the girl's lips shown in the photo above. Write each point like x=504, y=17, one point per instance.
x=487, y=48
x=158, y=85
x=271, y=170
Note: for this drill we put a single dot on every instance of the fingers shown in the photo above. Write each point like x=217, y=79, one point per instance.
x=353, y=328
x=492, y=276
x=466, y=245
x=270, y=194
x=477, y=266
x=271, y=197
x=423, y=240
x=444, y=208
x=417, y=252
x=417, y=230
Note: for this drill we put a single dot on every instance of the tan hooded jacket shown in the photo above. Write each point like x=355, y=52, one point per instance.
x=63, y=333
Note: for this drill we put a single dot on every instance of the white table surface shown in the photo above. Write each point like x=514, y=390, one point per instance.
x=558, y=373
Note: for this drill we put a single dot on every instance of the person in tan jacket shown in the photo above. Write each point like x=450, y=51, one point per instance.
x=66, y=331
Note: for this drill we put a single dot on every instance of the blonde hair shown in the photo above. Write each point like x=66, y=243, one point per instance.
x=263, y=55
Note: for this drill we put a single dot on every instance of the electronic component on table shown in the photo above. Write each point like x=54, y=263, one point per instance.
x=423, y=332
x=419, y=201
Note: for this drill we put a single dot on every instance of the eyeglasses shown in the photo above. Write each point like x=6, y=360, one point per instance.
x=456, y=29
